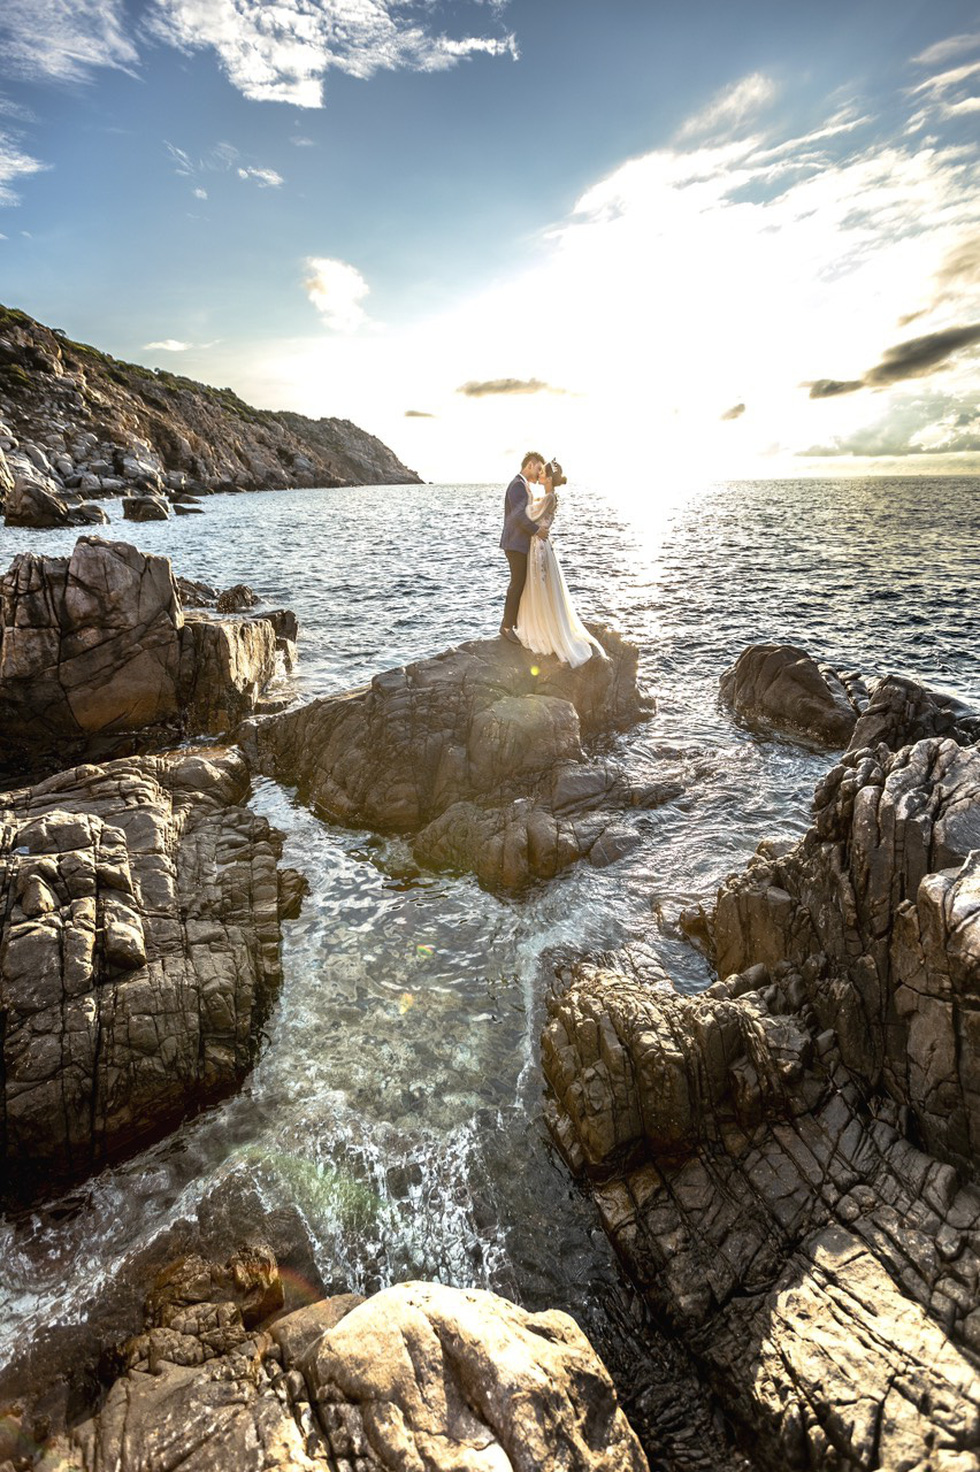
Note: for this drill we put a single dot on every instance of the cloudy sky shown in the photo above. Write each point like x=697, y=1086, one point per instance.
x=665, y=242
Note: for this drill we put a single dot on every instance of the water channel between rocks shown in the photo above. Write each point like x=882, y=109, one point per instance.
x=392, y=1127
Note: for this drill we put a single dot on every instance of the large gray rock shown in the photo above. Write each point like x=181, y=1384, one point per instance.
x=419, y=1376
x=476, y=753
x=900, y=711
x=885, y=887
x=823, y=1270
x=780, y=686
x=139, y=953
x=29, y=503
x=95, y=651
x=781, y=1161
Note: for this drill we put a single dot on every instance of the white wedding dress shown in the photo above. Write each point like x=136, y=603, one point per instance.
x=546, y=620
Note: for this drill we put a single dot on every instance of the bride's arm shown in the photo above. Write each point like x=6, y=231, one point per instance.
x=543, y=511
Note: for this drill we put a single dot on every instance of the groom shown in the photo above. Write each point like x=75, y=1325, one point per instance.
x=515, y=538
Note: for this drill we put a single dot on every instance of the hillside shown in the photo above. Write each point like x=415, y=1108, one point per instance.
x=91, y=425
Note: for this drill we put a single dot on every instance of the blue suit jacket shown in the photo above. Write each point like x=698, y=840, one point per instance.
x=518, y=526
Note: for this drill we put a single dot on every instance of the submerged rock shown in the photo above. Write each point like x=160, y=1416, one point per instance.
x=139, y=953
x=419, y=1376
x=476, y=753
x=780, y=686
x=96, y=650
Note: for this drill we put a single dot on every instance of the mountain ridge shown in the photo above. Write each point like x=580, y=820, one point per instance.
x=85, y=422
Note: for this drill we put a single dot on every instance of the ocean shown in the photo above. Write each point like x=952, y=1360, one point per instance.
x=393, y=1125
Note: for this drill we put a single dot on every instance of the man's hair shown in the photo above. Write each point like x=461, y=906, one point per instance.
x=531, y=455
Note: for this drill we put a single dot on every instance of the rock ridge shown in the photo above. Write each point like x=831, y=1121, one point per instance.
x=476, y=754
x=77, y=423
x=787, y=1163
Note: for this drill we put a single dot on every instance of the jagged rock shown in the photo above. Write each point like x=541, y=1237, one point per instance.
x=476, y=752
x=886, y=887
x=823, y=1270
x=30, y=504
x=139, y=953
x=901, y=711
x=236, y=599
x=87, y=512
x=419, y=1376
x=96, y=646
x=130, y=425
x=780, y=686
x=196, y=595
x=145, y=508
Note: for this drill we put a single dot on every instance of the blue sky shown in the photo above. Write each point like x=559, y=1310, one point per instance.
x=730, y=240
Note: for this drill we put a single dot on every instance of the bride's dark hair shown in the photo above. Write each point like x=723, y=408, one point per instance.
x=553, y=472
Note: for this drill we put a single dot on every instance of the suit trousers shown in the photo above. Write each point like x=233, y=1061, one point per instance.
x=518, y=577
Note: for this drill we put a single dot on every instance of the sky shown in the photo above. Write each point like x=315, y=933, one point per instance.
x=664, y=243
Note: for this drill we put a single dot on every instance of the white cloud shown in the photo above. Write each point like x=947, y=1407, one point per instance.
x=264, y=178
x=64, y=40
x=168, y=345
x=950, y=47
x=14, y=164
x=200, y=193
x=337, y=290
x=731, y=107
x=281, y=50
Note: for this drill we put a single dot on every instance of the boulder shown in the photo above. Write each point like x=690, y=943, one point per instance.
x=95, y=648
x=139, y=953
x=781, y=687
x=477, y=754
x=145, y=508
x=822, y=1269
x=900, y=711
x=419, y=1376
x=29, y=503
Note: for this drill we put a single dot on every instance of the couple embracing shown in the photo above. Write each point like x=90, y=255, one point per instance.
x=538, y=611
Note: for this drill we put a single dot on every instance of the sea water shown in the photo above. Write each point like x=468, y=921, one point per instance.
x=393, y=1126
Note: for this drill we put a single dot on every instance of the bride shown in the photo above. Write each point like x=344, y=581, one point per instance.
x=546, y=620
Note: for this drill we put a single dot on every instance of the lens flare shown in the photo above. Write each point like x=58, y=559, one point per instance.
x=535, y=670
x=425, y=952
x=405, y=1001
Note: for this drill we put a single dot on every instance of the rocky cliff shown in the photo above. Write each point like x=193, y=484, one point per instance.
x=77, y=420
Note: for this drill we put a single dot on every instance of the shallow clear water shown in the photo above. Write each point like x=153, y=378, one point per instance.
x=392, y=1127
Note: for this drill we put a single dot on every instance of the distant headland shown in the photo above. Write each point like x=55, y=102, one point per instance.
x=77, y=424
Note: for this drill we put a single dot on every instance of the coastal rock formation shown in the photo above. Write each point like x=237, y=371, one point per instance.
x=780, y=686
x=759, y=1153
x=476, y=753
x=419, y=1376
x=27, y=502
x=900, y=711
x=886, y=886
x=139, y=953
x=89, y=423
x=95, y=647
x=823, y=1270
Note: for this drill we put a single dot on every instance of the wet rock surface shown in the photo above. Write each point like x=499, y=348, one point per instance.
x=78, y=423
x=787, y=1163
x=95, y=651
x=476, y=753
x=782, y=687
x=139, y=954
x=420, y=1375
x=822, y=1270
